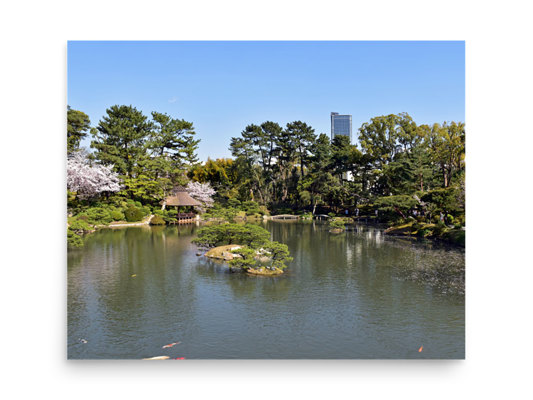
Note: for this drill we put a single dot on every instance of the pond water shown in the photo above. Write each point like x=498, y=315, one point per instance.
x=354, y=295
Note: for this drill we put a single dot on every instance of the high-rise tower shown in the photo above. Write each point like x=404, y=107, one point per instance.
x=341, y=125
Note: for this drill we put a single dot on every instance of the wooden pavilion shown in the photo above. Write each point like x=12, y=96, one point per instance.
x=180, y=198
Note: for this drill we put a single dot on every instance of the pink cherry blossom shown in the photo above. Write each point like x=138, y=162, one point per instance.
x=90, y=180
x=203, y=192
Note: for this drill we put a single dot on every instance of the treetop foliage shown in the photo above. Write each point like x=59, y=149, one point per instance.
x=279, y=167
x=78, y=126
x=150, y=156
x=250, y=235
x=294, y=167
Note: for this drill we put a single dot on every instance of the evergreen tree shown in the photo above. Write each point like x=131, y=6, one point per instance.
x=78, y=126
x=285, y=156
x=171, y=148
x=316, y=185
x=302, y=136
x=121, y=138
x=257, y=148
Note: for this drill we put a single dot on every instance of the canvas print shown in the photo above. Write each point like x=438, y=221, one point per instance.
x=265, y=200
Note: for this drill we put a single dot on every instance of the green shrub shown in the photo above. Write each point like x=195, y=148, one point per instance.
x=395, y=208
x=366, y=209
x=251, y=235
x=146, y=210
x=448, y=199
x=169, y=215
x=279, y=210
x=439, y=229
x=133, y=214
x=422, y=231
x=224, y=212
x=117, y=215
x=336, y=223
x=455, y=236
x=229, y=213
x=73, y=239
x=251, y=207
x=157, y=220
x=97, y=215
x=234, y=203
x=307, y=215
x=78, y=225
x=277, y=254
x=246, y=260
x=263, y=210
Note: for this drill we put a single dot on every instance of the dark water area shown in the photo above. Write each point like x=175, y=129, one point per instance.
x=355, y=295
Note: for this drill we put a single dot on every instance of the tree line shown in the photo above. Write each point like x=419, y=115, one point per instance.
x=397, y=163
x=397, y=166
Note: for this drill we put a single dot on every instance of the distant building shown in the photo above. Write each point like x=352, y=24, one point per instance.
x=341, y=125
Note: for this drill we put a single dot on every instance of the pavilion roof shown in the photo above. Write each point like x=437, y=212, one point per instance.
x=180, y=197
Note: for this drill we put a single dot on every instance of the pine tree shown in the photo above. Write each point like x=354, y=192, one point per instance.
x=120, y=139
x=78, y=126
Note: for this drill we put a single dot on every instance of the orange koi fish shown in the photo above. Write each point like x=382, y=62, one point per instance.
x=170, y=345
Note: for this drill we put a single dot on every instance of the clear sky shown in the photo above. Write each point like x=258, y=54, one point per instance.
x=223, y=86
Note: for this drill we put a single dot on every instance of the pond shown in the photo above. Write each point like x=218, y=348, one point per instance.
x=354, y=295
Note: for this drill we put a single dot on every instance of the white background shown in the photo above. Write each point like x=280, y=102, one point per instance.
x=499, y=207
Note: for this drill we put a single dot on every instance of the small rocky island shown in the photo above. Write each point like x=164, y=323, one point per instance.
x=338, y=224
x=223, y=252
x=248, y=248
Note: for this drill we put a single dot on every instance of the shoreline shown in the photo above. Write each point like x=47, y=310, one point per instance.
x=379, y=225
x=145, y=221
x=455, y=237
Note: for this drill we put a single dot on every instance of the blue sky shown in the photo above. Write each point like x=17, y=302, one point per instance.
x=223, y=86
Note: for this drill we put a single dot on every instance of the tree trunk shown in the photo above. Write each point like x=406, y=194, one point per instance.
x=399, y=212
x=302, y=166
x=260, y=195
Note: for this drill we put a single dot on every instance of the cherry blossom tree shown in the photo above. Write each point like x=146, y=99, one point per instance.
x=203, y=192
x=90, y=180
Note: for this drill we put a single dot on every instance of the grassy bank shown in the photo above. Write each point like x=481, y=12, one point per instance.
x=450, y=234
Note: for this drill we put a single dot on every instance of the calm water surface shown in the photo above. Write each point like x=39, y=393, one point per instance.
x=343, y=296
